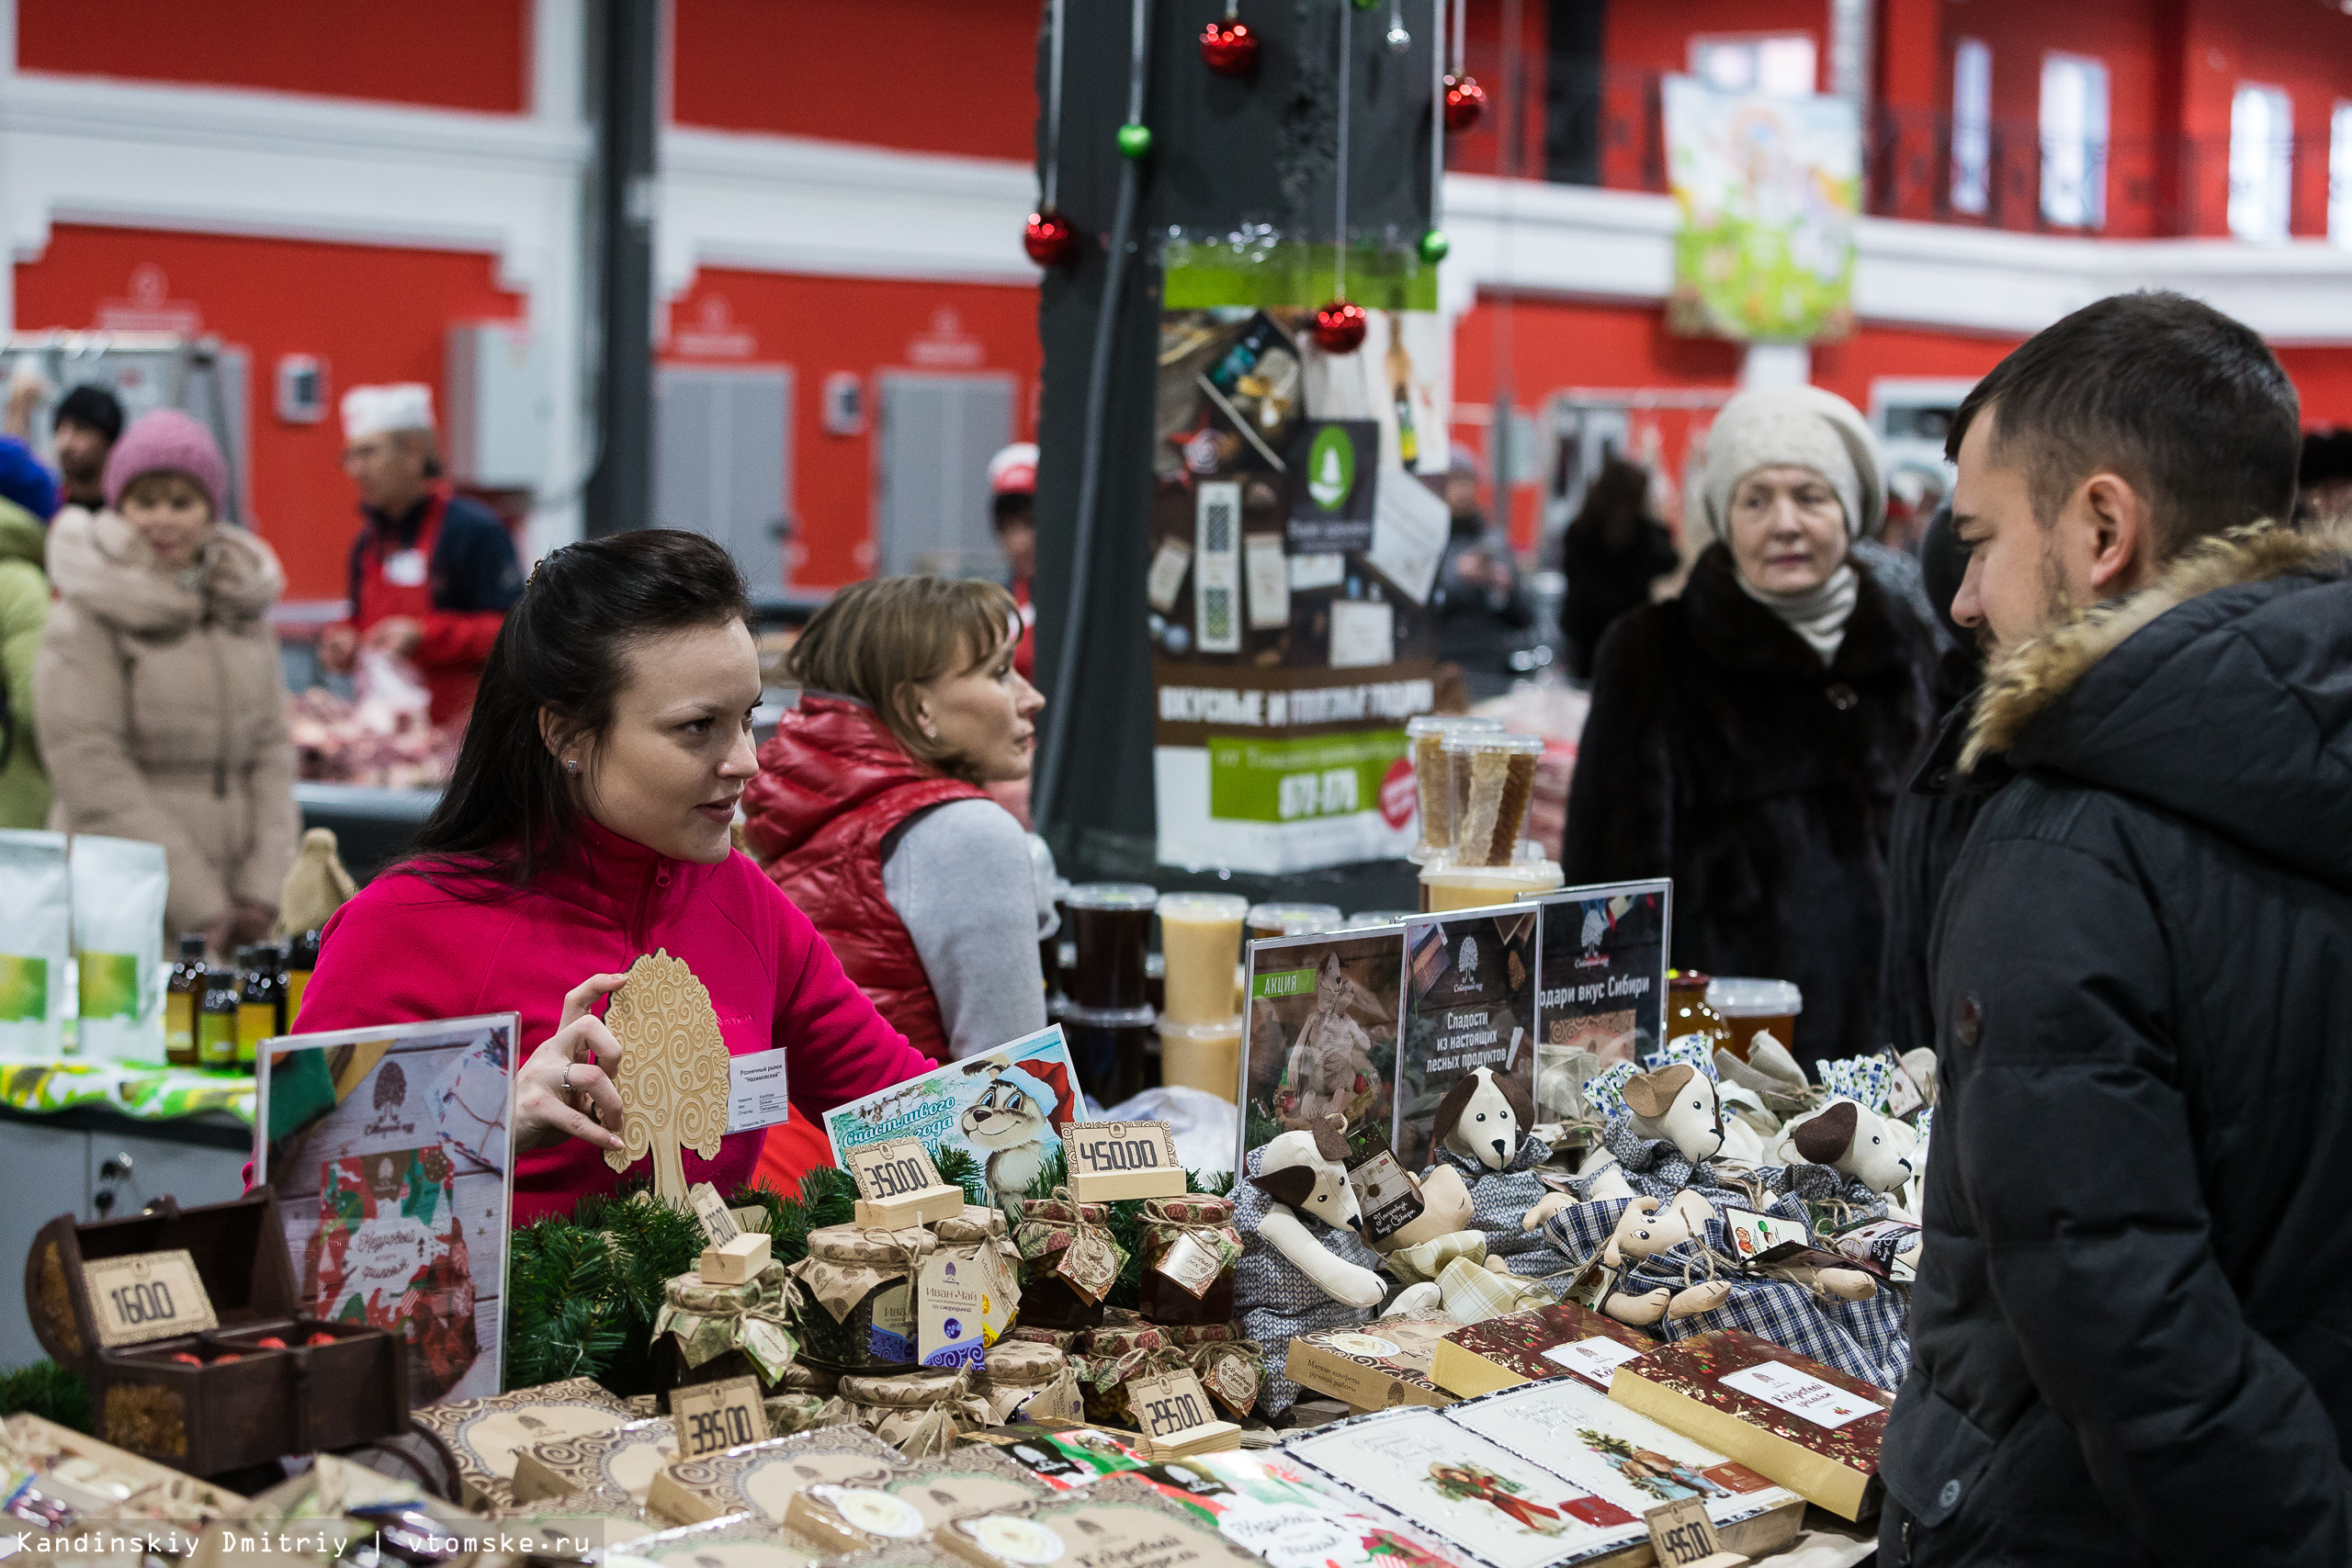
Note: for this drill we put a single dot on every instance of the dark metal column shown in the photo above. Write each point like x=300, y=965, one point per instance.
x=625, y=47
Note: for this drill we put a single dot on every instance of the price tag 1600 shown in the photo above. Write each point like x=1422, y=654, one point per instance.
x=714, y=1416
x=147, y=1295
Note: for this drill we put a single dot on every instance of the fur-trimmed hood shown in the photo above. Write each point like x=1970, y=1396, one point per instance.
x=2222, y=692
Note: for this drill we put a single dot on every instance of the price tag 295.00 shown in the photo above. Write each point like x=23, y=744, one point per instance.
x=892, y=1168
x=714, y=1416
x=1168, y=1403
x=147, y=1295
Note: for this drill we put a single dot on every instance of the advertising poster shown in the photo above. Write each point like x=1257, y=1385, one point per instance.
x=1470, y=1003
x=1006, y=1108
x=1322, y=1032
x=1602, y=981
x=387, y=1148
x=1769, y=190
x=1295, y=541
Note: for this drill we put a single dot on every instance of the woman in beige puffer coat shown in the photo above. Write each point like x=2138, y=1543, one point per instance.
x=158, y=694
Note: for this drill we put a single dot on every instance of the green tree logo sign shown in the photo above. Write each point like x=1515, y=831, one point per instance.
x=1331, y=468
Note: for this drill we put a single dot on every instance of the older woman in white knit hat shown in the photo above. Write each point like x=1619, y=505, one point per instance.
x=1748, y=739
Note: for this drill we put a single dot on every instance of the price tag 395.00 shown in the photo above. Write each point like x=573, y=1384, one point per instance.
x=147, y=1295
x=714, y=1416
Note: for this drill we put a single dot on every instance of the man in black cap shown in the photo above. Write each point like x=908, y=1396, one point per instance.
x=86, y=424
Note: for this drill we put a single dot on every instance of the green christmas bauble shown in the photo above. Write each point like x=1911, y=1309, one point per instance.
x=1434, y=245
x=1134, y=140
x=1366, y=5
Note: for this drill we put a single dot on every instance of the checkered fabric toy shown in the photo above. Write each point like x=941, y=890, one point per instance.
x=1275, y=1301
x=1499, y=1200
x=1869, y=1339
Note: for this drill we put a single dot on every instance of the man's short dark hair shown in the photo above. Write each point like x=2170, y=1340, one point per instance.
x=2188, y=406
x=93, y=405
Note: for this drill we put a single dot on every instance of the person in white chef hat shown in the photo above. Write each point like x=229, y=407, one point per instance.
x=432, y=573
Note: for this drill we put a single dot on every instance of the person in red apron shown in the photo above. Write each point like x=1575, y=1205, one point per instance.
x=432, y=573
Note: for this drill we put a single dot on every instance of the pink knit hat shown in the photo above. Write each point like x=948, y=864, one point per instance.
x=167, y=441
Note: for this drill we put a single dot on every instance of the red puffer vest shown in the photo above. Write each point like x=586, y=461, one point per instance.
x=832, y=784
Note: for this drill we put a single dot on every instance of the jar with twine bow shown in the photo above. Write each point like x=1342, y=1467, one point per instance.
x=722, y=1331
x=857, y=1308
x=1016, y=1372
x=916, y=1411
x=977, y=1225
x=1233, y=1371
x=1069, y=1260
x=1190, y=1248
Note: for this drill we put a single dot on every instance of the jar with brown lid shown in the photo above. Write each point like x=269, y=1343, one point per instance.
x=1190, y=1249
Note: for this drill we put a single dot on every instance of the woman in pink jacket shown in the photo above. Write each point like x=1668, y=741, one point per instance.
x=587, y=823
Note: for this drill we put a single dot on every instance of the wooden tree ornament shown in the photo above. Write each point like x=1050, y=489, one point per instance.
x=673, y=1071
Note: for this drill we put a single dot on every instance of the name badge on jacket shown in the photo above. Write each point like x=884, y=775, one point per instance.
x=405, y=568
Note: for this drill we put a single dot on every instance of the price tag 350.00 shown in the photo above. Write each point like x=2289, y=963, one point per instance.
x=147, y=1295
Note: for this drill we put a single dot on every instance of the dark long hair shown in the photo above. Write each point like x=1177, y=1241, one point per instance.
x=509, y=809
x=1615, y=505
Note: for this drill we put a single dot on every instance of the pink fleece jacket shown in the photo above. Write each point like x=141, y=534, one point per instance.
x=408, y=949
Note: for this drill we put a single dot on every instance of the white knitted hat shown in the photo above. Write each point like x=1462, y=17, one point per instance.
x=373, y=410
x=1801, y=427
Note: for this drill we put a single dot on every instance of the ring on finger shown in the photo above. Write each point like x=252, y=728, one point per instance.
x=567, y=1080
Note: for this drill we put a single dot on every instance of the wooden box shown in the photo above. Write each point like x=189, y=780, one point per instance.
x=220, y=1416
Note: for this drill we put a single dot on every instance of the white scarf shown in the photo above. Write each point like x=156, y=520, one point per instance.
x=1817, y=615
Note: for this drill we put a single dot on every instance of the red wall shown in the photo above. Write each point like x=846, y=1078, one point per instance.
x=459, y=54
x=2305, y=48
x=371, y=314
x=1657, y=38
x=821, y=325
x=931, y=75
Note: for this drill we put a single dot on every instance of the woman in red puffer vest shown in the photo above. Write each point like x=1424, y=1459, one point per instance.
x=868, y=810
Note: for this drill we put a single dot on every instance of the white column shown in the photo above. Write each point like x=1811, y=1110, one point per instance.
x=558, y=39
x=7, y=227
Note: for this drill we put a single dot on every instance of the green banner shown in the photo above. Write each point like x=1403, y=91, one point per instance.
x=1197, y=276
x=1299, y=780
x=1284, y=982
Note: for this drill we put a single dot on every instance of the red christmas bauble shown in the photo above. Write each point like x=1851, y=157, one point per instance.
x=1464, y=102
x=1230, y=49
x=1049, y=239
x=1338, y=326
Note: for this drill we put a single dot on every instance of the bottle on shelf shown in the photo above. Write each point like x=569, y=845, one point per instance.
x=216, y=1019
x=183, y=998
x=261, y=1000
x=302, y=957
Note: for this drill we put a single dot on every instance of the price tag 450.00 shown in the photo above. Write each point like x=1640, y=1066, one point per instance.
x=147, y=1295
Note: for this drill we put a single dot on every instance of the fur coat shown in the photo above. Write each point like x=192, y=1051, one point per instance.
x=1722, y=753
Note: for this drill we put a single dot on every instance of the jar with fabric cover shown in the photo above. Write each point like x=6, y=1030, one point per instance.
x=1069, y=1261
x=856, y=1308
x=1014, y=1371
x=919, y=1412
x=1190, y=1248
x=709, y=1333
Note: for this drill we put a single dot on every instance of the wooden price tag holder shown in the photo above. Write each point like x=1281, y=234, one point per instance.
x=1684, y=1536
x=897, y=1186
x=672, y=1076
x=147, y=1295
x=735, y=1263
x=1176, y=1417
x=714, y=1416
x=1111, y=1160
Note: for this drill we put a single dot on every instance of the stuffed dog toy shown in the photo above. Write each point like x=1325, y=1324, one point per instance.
x=1678, y=1103
x=1646, y=1228
x=1305, y=1270
x=1852, y=1140
x=1482, y=1117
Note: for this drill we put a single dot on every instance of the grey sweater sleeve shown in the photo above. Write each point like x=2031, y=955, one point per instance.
x=960, y=878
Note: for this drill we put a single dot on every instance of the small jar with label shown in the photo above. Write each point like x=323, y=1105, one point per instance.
x=1190, y=1248
x=1069, y=1261
x=856, y=1310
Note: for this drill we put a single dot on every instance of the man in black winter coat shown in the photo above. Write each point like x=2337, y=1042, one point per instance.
x=2132, y=1334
